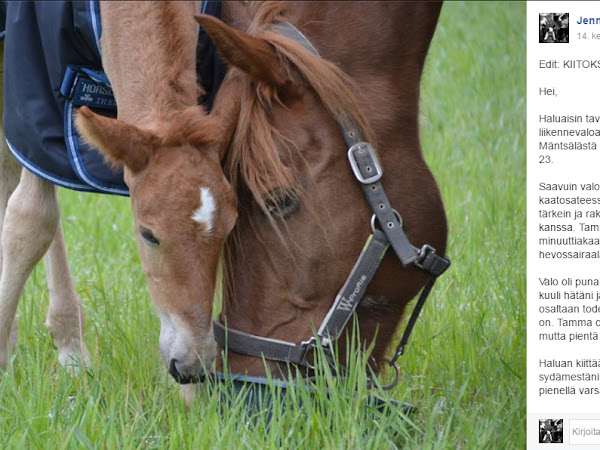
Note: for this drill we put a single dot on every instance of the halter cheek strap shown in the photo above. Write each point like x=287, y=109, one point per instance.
x=368, y=172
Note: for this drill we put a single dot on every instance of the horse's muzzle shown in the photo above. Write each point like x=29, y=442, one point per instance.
x=187, y=379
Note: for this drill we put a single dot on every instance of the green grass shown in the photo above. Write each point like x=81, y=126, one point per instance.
x=465, y=365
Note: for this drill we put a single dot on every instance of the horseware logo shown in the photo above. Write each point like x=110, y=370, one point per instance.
x=89, y=88
x=86, y=98
x=346, y=303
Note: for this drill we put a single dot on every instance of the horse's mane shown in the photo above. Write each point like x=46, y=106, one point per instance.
x=259, y=157
x=254, y=155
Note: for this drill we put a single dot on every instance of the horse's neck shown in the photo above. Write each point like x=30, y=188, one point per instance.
x=162, y=76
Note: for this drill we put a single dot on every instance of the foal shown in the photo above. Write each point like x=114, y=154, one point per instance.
x=182, y=204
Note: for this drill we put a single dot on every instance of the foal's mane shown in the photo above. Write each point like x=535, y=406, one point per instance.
x=254, y=154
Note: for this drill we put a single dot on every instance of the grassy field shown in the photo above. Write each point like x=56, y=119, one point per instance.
x=465, y=367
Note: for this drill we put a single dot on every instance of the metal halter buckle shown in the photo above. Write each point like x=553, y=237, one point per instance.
x=311, y=345
x=375, y=171
x=423, y=252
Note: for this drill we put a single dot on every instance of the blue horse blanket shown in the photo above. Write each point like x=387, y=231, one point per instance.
x=52, y=64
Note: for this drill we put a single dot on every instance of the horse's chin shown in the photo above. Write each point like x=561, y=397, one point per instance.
x=189, y=393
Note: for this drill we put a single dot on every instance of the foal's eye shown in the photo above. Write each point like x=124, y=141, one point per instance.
x=148, y=236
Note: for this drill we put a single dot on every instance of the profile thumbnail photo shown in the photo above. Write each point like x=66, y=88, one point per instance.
x=554, y=28
x=551, y=431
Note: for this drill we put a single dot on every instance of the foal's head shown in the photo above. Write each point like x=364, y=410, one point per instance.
x=184, y=208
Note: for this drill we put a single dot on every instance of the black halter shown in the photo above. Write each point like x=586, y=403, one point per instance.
x=368, y=172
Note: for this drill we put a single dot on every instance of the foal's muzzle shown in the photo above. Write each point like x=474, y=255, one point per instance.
x=187, y=379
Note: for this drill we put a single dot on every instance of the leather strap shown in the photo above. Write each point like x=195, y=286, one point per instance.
x=354, y=288
x=366, y=166
x=289, y=31
x=413, y=320
x=258, y=346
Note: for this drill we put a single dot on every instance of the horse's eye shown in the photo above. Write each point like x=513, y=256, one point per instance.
x=282, y=203
x=148, y=236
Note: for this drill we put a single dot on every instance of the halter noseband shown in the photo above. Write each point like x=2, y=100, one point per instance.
x=368, y=172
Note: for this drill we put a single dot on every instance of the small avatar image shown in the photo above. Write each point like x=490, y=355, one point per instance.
x=554, y=28
x=551, y=431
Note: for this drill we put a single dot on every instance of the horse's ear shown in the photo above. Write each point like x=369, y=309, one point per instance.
x=120, y=143
x=253, y=55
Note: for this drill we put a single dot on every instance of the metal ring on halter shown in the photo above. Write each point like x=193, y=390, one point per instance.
x=374, y=217
x=396, y=379
x=310, y=348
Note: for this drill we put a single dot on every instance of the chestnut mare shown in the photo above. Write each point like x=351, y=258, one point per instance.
x=182, y=204
x=303, y=216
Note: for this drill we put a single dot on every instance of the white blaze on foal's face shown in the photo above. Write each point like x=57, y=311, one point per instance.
x=206, y=211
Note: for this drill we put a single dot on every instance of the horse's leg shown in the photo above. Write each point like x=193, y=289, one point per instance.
x=10, y=170
x=30, y=224
x=65, y=316
x=9, y=179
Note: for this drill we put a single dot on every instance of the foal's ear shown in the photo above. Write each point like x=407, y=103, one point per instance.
x=253, y=55
x=120, y=143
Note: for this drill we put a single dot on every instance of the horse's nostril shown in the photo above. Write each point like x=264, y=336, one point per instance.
x=173, y=370
x=181, y=379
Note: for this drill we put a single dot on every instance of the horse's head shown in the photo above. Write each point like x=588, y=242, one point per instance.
x=293, y=179
x=291, y=157
x=184, y=208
